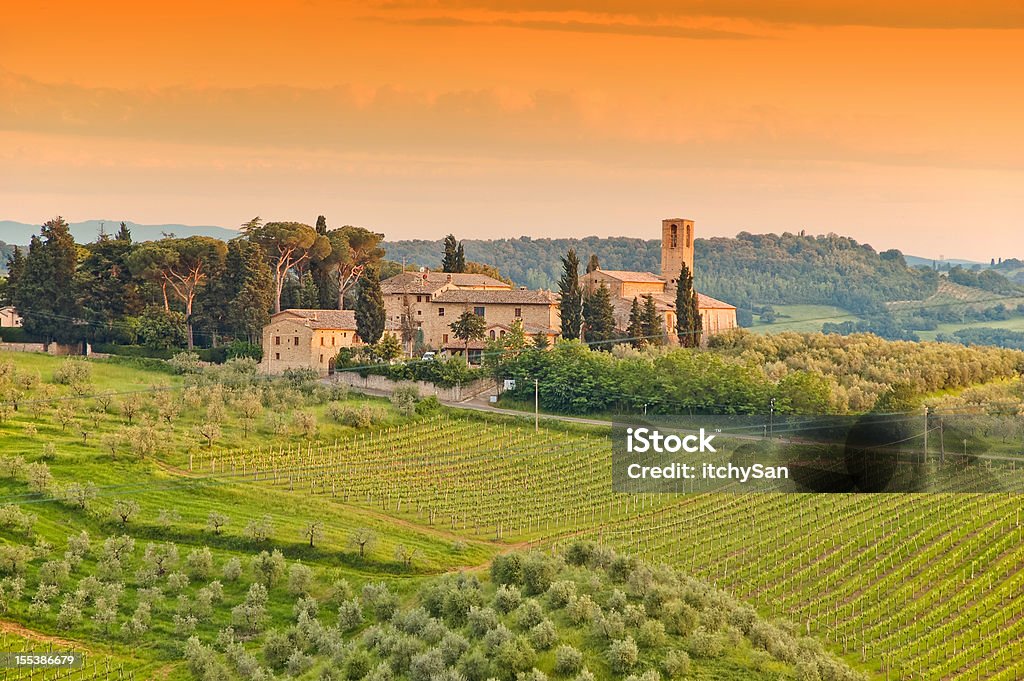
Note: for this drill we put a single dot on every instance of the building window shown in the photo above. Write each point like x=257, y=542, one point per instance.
x=492, y=334
x=277, y=355
x=673, y=241
x=427, y=297
x=419, y=299
x=321, y=359
x=444, y=339
x=440, y=312
x=478, y=311
x=419, y=313
x=519, y=312
x=689, y=235
x=333, y=340
x=321, y=341
x=277, y=340
x=296, y=341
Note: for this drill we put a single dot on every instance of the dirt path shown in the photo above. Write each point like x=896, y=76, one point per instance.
x=32, y=635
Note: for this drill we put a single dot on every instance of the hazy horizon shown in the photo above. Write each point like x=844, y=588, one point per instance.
x=894, y=124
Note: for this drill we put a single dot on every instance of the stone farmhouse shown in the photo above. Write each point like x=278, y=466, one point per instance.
x=9, y=318
x=677, y=236
x=430, y=301
x=307, y=339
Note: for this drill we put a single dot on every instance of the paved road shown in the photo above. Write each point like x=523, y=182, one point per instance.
x=482, y=405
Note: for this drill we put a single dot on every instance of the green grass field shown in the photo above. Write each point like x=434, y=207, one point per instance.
x=1012, y=324
x=803, y=318
x=912, y=586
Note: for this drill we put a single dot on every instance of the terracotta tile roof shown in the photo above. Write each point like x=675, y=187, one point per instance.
x=512, y=296
x=321, y=319
x=636, y=277
x=429, y=282
x=704, y=302
x=341, y=320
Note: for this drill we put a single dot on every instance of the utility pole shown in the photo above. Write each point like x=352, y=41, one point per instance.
x=536, y=405
x=771, y=418
x=925, y=458
x=942, y=442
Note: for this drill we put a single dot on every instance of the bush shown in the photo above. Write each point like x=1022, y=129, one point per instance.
x=543, y=636
x=705, y=644
x=507, y=598
x=240, y=348
x=623, y=655
x=73, y=371
x=185, y=363
x=568, y=660
x=676, y=664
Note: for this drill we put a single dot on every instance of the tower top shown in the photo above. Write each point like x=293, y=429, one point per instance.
x=676, y=248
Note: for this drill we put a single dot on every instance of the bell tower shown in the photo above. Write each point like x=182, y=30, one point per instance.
x=676, y=248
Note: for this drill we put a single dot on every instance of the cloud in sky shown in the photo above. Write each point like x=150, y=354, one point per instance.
x=607, y=27
x=931, y=14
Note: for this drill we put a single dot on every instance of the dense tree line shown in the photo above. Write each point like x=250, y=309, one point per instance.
x=747, y=270
x=1003, y=338
x=535, y=263
x=987, y=280
x=758, y=269
x=182, y=291
x=742, y=372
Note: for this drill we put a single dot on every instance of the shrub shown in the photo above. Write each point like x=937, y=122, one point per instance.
x=529, y=614
x=185, y=363
x=350, y=615
x=623, y=655
x=568, y=660
x=561, y=593
x=232, y=570
x=514, y=655
x=426, y=666
x=676, y=664
x=705, y=644
x=507, y=598
x=73, y=371
x=543, y=635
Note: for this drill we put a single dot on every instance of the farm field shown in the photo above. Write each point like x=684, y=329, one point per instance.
x=913, y=586
x=803, y=318
x=1012, y=324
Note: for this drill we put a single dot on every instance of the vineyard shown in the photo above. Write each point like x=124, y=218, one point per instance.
x=911, y=586
x=94, y=667
x=498, y=481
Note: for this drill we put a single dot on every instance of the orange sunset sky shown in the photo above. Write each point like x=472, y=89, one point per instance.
x=898, y=123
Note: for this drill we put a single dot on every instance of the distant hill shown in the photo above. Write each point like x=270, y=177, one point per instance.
x=750, y=270
x=917, y=261
x=84, y=232
x=535, y=262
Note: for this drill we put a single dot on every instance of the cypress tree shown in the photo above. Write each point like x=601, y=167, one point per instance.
x=460, y=259
x=322, y=271
x=571, y=305
x=370, y=307
x=652, y=324
x=599, y=317
x=450, y=259
x=123, y=234
x=593, y=263
x=688, y=322
x=635, y=329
